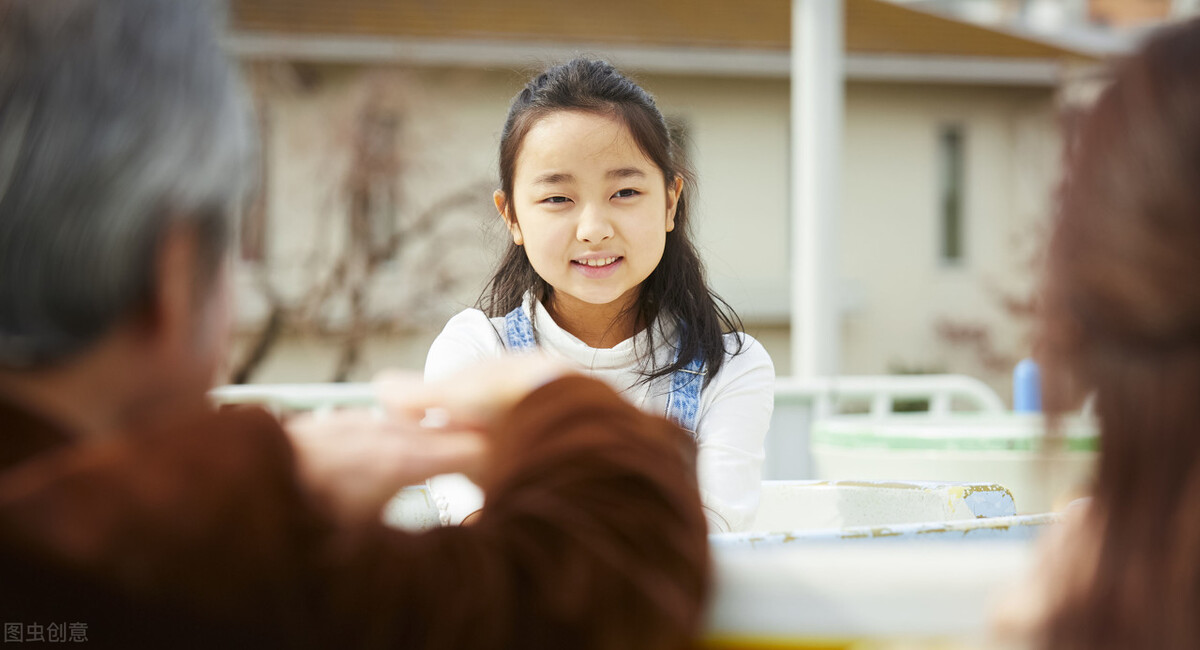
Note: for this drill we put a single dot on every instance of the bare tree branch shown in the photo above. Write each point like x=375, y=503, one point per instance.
x=367, y=198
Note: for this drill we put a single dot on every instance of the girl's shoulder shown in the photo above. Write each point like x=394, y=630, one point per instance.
x=740, y=345
x=468, y=337
x=745, y=383
x=471, y=322
x=745, y=360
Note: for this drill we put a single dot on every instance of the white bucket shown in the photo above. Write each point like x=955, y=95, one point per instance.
x=1011, y=450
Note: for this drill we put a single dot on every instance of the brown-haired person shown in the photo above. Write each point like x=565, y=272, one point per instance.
x=131, y=508
x=1122, y=321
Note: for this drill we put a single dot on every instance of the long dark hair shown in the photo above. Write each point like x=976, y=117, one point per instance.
x=1121, y=317
x=677, y=287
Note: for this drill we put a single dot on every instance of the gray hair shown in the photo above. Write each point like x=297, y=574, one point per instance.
x=118, y=119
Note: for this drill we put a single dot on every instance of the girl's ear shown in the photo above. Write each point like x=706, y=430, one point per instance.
x=674, y=191
x=509, y=222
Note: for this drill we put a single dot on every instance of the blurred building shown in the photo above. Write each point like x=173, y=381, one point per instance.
x=381, y=123
x=1103, y=19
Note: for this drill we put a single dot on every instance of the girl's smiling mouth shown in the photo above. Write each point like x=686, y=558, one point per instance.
x=597, y=267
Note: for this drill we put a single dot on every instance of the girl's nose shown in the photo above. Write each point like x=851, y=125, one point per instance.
x=594, y=226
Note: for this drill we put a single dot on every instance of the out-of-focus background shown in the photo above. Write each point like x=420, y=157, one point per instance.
x=380, y=123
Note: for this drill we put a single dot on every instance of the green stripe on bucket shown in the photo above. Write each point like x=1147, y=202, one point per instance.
x=870, y=439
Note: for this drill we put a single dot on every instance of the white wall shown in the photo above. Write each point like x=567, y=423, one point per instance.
x=739, y=145
x=890, y=259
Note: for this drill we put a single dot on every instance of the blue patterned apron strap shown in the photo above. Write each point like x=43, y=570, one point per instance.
x=683, y=403
x=518, y=331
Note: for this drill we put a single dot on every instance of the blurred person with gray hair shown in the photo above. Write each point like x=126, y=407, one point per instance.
x=130, y=507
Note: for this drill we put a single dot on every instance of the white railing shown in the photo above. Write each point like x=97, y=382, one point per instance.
x=823, y=394
x=798, y=402
x=944, y=393
x=297, y=397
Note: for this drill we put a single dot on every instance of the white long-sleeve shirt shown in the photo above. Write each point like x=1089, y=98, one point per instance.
x=735, y=405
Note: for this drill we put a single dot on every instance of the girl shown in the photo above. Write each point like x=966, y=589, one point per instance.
x=601, y=272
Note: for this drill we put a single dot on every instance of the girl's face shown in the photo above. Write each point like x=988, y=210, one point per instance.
x=591, y=210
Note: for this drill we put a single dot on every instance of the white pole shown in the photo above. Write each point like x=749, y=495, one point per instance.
x=817, y=105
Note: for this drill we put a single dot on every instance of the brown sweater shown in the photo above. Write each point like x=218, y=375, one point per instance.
x=202, y=537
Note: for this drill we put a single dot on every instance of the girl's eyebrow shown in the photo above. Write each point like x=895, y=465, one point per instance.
x=626, y=172
x=553, y=178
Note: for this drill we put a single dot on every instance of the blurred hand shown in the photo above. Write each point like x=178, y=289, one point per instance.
x=357, y=459
x=474, y=398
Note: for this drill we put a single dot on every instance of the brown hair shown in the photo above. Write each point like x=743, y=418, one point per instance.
x=1121, y=319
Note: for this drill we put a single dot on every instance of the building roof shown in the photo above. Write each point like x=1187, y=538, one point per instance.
x=879, y=27
x=885, y=42
x=872, y=26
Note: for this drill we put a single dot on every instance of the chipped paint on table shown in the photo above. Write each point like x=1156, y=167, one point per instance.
x=1017, y=527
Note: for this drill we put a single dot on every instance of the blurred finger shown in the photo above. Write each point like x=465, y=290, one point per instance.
x=405, y=393
x=435, y=404
x=447, y=452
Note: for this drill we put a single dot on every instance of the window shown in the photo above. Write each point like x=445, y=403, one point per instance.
x=950, y=199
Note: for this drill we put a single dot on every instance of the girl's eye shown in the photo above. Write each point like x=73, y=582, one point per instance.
x=626, y=193
x=556, y=199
